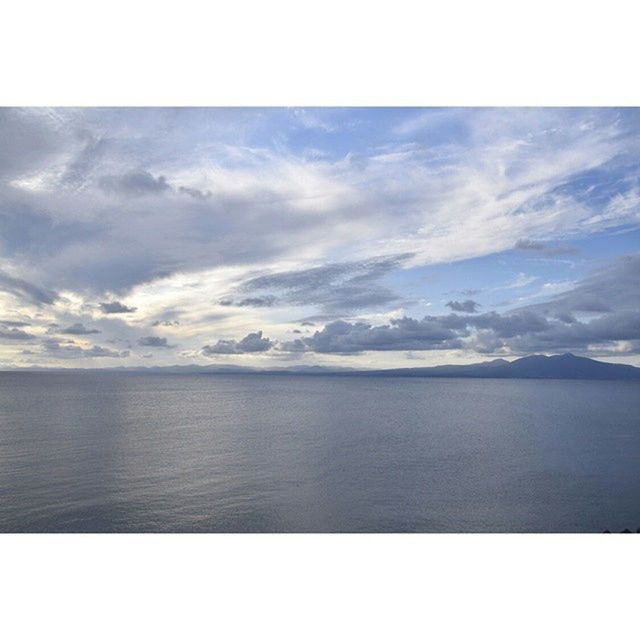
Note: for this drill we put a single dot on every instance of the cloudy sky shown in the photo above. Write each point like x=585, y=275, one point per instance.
x=344, y=237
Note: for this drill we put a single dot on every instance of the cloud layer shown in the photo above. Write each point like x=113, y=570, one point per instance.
x=601, y=313
x=251, y=343
x=334, y=231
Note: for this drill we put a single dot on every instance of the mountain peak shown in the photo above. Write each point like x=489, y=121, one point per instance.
x=565, y=366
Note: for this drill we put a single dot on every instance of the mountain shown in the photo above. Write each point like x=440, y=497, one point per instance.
x=566, y=366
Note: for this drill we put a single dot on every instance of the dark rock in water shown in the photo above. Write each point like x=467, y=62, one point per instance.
x=606, y=531
x=625, y=531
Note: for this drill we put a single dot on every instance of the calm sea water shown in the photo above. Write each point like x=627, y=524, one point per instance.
x=139, y=452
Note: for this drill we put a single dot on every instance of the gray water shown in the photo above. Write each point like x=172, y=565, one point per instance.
x=141, y=453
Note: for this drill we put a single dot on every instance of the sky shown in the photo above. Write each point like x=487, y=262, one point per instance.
x=372, y=238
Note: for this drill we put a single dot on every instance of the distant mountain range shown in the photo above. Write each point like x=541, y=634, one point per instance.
x=567, y=366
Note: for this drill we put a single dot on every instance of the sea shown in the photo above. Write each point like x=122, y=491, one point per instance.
x=140, y=452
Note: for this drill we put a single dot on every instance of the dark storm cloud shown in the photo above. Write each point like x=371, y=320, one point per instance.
x=78, y=329
x=464, y=306
x=251, y=343
x=134, y=183
x=25, y=290
x=115, y=307
x=338, y=287
x=261, y=301
x=154, y=341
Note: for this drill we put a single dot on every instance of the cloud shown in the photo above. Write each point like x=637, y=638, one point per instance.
x=102, y=352
x=195, y=193
x=262, y=301
x=80, y=168
x=251, y=343
x=57, y=349
x=614, y=288
x=115, y=307
x=29, y=139
x=599, y=333
x=154, y=341
x=465, y=306
x=525, y=244
x=78, y=329
x=612, y=294
x=337, y=287
x=15, y=334
x=134, y=183
x=14, y=323
x=174, y=209
x=313, y=119
x=520, y=281
x=408, y=334
x=165, y=323
x=401, y=334
x=25, y=290
x=490, y=178
x=509, y=325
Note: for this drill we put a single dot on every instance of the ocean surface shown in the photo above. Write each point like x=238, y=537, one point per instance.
x=82, y=452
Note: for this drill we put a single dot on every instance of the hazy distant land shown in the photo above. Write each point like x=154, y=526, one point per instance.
x=564, y=367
